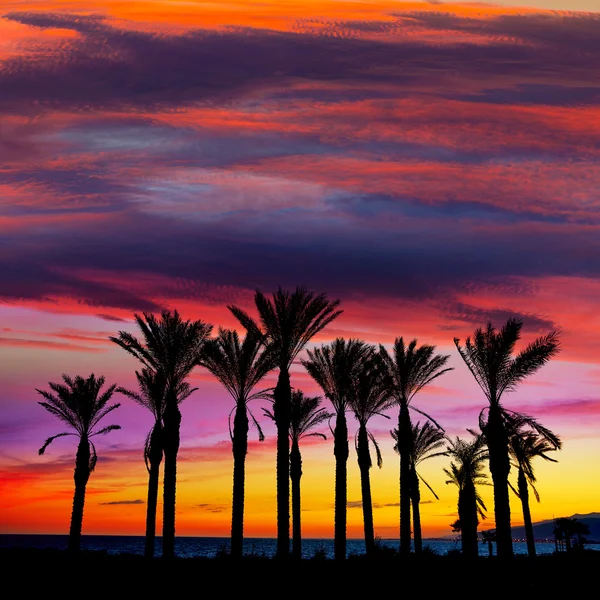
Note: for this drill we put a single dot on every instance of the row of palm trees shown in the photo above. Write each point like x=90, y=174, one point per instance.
x=353, y=375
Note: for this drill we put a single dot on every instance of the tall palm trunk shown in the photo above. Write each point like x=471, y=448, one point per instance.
x=172, y=423
x=467, y=514
x=282, y=413
x=239, y=449
x=364, y=464
x=81, y=477
x=341, y=453
x=155, y=456
x=404, y=448
x=524, y=495
x=415, y=496
x=295, y=476
x=497, y=441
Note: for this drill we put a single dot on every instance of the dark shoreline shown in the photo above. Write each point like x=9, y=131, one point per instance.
x=483, y=576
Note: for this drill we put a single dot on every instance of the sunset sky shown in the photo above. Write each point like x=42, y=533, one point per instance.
x=431, y=165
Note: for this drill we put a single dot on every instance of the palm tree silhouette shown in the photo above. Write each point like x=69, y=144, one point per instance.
x=306, y=415
x=489, y=357
x=466, y=472
x=239, y=366
x=524, y=446
x=411, y=368
x=370, y=398
x=151, y=395
x=172, y=346
x=334, y=367
x=287, y=322
x=427, y=439
x=80, y=404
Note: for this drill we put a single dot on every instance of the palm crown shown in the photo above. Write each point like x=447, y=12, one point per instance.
x=79, y=403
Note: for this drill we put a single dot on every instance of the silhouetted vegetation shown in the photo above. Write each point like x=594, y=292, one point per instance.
x=80, y=404
x=353, y=375
x=489, y=357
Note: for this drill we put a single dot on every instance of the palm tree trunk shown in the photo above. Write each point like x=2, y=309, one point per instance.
x=364, y=464
x=295, y=476
x=81, y=477
x=524, y=495
x=416, y=501
x=497, y=441
x=155, y=456
x=404, y=447
x=172, y=423
x=282, y=414
x=240, y=449
x=341, y=452
x=467, y=513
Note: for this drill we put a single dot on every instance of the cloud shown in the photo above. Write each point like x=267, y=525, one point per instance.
x=121, y=502
x=214, y=508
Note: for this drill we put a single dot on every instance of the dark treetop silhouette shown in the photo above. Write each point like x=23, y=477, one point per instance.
x=239, y=366
x=152, y=395
x=411, y=368
x=172, y=346
x=80, y=404
x=489, y=356
x=287, y=322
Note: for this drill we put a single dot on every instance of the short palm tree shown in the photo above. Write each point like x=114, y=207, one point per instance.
x=466, y=472
x=410, y=369
x=151, y=395
x=287, y=323
x=524, y=446
x=371, y=398
x=239, y=366
x=489, y=357
x=80, y=404
x=427, y=440
x=172, y=346
x=307, y=413
x=335, y=367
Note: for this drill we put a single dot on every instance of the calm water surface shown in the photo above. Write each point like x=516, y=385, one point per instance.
x=190, y=547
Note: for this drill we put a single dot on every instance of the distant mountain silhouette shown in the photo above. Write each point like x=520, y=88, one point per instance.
x=543, y=529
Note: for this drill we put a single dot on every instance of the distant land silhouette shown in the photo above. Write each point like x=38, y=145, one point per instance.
x=544, y=529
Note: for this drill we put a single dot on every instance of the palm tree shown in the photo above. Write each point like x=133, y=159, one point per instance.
x=306, y=415
x=489, y=357
x=335, y=367
x=411, y=368
x=239, y=366
x=80, y=404
x=370, y=399
x=287, y=323
x=466, y=472
x=427, y=439
x=172, y=346
x=151, y=395
x=524, y=446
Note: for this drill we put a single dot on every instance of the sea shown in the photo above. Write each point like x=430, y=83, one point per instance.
x=211, y=547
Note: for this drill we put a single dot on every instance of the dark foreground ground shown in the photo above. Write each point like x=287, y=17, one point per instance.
x=93, y=574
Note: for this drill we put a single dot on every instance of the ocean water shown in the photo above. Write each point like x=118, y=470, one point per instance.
x=209, y=547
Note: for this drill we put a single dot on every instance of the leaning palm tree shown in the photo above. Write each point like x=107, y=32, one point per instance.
x=239, y=366
x=427, y=440
x=410, y=368
x=466, y=472
x=489, y=357
x=524, y=446
x=287, y=323
x=306, y=415
x=80, y=404
x=335, y=368
x=151, y=395
x=371, y=398
x=172, y=346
